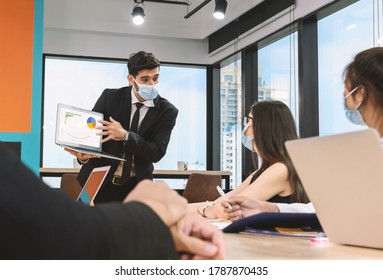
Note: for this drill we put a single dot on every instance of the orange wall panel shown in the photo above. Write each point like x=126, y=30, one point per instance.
x=16, y=61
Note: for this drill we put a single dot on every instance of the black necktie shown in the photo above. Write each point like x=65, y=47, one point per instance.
x=129, y=156
x=136, y=117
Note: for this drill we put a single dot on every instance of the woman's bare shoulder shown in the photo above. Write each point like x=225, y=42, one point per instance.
x=278, y=168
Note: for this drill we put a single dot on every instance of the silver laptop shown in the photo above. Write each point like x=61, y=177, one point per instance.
x=75, y=130
x=343, y=177
x=93, y=185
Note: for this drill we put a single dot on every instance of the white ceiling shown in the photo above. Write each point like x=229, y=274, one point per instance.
x=162, y=20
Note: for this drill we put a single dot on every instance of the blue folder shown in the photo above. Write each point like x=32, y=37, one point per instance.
x=307, y=221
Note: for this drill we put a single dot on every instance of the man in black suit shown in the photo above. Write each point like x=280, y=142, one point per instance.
x=38, y=222
x=140, y=144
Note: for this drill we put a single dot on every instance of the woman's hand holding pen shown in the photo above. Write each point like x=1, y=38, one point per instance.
x=242, y=207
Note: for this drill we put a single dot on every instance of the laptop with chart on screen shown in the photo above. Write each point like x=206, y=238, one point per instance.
x=76, y=130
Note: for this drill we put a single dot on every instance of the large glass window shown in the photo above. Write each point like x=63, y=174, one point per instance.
x=340, y=37
x=79, y=82
x=278, y=72
x=230, y=115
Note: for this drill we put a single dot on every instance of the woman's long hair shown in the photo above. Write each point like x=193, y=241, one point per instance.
x=273, y=125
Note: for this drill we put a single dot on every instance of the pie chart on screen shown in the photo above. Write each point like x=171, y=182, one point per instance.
x=91, y=122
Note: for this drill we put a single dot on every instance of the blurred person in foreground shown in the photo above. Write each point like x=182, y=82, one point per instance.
x=39, y=222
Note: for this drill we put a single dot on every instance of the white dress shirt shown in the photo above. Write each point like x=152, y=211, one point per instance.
x=144, y=109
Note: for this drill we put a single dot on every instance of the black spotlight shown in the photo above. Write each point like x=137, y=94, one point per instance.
x=138, y=15
x=220, y=9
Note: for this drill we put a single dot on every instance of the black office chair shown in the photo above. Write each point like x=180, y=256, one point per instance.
x=70, y=186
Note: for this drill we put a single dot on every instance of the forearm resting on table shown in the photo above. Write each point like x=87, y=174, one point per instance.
x=208, y=209
x=167, y=216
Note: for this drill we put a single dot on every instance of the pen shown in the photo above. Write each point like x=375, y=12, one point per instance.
x=223, y=195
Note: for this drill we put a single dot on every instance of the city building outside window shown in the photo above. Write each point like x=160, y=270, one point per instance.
x=278, y=73
x=230, y=119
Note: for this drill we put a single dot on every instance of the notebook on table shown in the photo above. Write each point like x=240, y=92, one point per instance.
x=93, y=185
x=343, y=177
x=75, y=130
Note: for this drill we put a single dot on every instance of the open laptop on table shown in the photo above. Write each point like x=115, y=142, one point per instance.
x=343, y=177
x=93, y=185
x=75, y=130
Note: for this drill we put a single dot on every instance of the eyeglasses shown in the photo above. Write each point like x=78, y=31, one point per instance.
x=246, y=120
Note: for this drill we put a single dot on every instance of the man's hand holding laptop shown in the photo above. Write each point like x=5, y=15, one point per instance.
x=112, y=129
x=78, y=133
x=83, y=158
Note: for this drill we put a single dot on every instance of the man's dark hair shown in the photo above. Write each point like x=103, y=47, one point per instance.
x=141, y=60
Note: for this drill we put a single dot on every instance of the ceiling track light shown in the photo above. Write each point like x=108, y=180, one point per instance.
x=169, y=2
x=138, y=13
x=220, y=9
x=196, y=9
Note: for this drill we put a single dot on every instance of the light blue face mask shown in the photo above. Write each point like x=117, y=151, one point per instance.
x=247, y=141
x=353, y=115
x=147, y=92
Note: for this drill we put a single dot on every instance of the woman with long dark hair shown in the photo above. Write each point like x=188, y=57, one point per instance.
x=268, y=126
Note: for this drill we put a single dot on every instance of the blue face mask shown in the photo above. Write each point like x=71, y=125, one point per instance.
x=147, y=92
x=353, y=115
x=247, y=141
